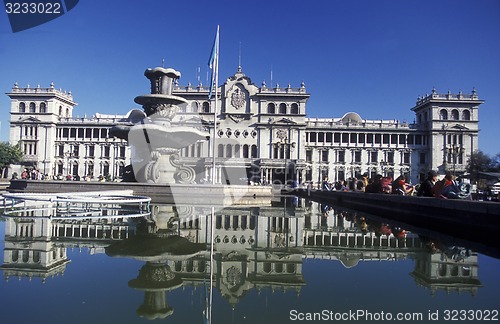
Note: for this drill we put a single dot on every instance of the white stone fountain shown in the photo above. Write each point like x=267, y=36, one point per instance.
x=155, y=142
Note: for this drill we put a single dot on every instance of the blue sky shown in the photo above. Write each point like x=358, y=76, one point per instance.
x=374, y=57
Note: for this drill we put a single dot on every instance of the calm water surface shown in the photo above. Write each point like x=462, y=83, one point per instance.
x=272, y=264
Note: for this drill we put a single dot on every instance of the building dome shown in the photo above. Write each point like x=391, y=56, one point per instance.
x=351, y=117
x=135, y=115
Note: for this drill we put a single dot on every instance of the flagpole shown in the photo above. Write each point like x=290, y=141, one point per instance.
x=214, y=83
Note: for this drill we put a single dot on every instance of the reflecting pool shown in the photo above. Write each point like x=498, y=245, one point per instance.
x=273, y=262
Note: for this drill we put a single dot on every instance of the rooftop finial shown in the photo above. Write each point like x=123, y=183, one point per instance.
x=163, y=62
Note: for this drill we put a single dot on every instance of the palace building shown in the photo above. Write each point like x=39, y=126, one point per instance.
x=262, y=130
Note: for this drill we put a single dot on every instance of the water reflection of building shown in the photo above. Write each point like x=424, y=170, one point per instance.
x=441, y=271
x=256, y=247
x=36, y=242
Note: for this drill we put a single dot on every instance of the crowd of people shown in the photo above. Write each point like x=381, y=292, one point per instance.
x=447, y=188
x=35, y=174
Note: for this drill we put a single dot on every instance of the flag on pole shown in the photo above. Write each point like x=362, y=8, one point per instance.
x=212, y=63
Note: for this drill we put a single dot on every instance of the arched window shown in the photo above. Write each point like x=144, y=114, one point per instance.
x=221, y=151
x=32, y=107
x=245, y=151
x=254, y=151
x=60, y=111
x=67, y=112
x=236, y=150
x=229, y=151
x=43, y=107
x=194, y=106
x=22, y=107
x=466, y=115
x=206, y=107
x=282, y=108
x=443, y=114
x=271, y=108
x=294, y=109
x=454, y=114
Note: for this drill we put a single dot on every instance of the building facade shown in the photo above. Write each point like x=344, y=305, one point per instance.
x=261, y=130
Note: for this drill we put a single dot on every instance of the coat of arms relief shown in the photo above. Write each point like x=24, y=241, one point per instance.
x=238, y=99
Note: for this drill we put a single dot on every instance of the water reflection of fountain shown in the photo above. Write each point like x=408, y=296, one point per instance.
x=157, y=241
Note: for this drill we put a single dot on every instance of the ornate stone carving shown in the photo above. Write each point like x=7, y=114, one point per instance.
x=238, y=99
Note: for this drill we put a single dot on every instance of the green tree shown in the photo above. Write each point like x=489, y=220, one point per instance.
x=9, y=154
x=480, y=162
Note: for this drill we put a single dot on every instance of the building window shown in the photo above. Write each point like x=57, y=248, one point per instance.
x=220, y=150
x=361, y=138
x=106, y=153
x=43, y=107
x=294, y=109
x=443, y=114
x=229, y=151
x=309, y=154
x=91, y=151
x=354, y=138
x=341, y=156
x=390, y=157
x=357, y=156
x=369, y=138
x=206, y=107
x=328, y=137
x=345, y=138
x=271, y=108
x=324, y=156
x=245, y=151
x=32, y=107
x=378, y=138
x=194, y=106
x=283, y=108
x=454, y=114
x=60, y=150
x=336, y=137
x=72, y=133
x=466, y=115
x=406, y=157
x=254, y=151
x=60, y=111
x=386, y=139
x=374, y=157
x=402, y=138
x=321, y=137
x=123, y=149
x=22, y=107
